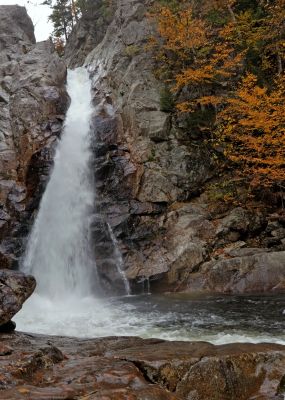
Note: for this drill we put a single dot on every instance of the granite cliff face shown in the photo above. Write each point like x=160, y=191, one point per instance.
x=151, y=174
x=33, y=102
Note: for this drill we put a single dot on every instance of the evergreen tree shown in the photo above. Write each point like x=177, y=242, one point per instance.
x=65, y=14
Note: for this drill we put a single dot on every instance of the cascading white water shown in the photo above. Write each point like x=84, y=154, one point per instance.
x=58, y=253
x=119, y=260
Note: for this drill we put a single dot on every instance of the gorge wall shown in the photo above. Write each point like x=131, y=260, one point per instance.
x=33, y=101
x=153, y=176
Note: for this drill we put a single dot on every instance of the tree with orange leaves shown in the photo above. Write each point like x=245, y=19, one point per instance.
x=254, y=125
x=231, y=61
x=192, y=55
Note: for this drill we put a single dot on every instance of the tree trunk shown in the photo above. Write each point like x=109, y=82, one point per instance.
x=232, y=13
x=279, y=63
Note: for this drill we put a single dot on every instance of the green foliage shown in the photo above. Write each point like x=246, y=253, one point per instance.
x=132, y=50
x=64, y=14
x=167, y=103
x=201, y=119
x=223, y=191
x=152, y=156
x=105, y=10
x=61, y=17
x=217, y=18
x=172, y=4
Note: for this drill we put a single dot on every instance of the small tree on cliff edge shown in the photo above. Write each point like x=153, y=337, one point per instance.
x=65, y=14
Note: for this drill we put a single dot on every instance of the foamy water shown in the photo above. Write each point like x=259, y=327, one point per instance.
x=214, y=319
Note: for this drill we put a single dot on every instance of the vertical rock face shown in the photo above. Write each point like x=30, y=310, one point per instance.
x=142, y=162
x=150, y=171
x=33, y=103
x=89, y=32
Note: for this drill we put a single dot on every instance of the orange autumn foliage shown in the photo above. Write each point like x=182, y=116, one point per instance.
x=235, y=68
x=191, y=51
x=181, y=32
x=254, y=123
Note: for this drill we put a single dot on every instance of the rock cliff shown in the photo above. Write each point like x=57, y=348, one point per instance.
x=33, y=102
x=152, y=176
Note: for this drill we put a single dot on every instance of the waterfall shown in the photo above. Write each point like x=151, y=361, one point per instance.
x=119, y=260
x=58, y=253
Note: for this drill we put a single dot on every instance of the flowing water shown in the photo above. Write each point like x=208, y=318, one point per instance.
x=66, y=301
x=58, y=254
x=219, y=319
x=120, y=262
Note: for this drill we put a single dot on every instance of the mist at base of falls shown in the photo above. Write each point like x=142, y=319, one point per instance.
x=67, y=301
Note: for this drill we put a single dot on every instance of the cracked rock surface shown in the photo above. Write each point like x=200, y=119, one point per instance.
x=126, y=368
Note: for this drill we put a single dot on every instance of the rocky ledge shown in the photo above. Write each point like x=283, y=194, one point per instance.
x=36, y=368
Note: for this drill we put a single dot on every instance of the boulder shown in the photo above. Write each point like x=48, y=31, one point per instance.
x=15, y=288
x=257, y=273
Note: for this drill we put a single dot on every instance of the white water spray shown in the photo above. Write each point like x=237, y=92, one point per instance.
x=58, y=250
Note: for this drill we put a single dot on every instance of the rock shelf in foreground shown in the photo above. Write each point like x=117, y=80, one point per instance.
x=126, y=368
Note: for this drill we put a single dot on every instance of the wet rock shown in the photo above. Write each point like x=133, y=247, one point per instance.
x=44, y=358
x=15, y=288
x=132, y=368
x=5, y=350
x=255, y=273
x=178, y=244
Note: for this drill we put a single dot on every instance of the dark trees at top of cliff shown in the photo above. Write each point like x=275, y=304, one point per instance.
x=64, y=15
